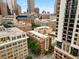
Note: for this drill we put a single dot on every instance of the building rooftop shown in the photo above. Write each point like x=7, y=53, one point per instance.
x=65, y=52
x=24, y=24
x=10, y=32
x=6, y=33
x=38, y=34
x=44, y=27
x=23, y=16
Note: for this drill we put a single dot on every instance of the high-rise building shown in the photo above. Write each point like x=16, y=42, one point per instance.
x=18, y=9
x=3, y=8
x=13, y=43
x=67, y=29
x=37, y=12
x=31, y=6
x=12, y=5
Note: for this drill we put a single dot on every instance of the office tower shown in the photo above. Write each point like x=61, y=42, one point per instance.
x=18, y=9
x=31, y=6
x=12, y=5
x=0, y=6
x=37, y=12
x=13, y=43
x=3, y=8
x=67, y=29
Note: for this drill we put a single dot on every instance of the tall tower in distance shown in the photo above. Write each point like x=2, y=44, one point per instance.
x=67, y=29
x=3, y=8
x=12, y=5
x=30, y=6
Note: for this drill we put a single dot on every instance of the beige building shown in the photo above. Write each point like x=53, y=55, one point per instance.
x=44, y=30
x=13, y=43
x=9, y=18
x=44, y=40
x=67, y=29
x=52, y=24
x=0, y=19
x=37, y=12
x=12, y=5
x=24, y=18
x=24, y=26
x=45, y=15
x=41, y=22
x=18, y=9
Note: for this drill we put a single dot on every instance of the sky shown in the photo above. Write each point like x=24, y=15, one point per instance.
x=47, y=5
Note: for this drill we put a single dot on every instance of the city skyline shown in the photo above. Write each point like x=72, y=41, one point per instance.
x=47, y=5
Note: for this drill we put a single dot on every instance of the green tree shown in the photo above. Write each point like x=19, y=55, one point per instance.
x=34, y=25
x=28, y=57
x=34, y=47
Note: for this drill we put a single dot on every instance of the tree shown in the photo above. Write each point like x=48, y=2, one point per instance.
x=28, y=57
x=34, y=47
x=8, y=24
x=34, y=25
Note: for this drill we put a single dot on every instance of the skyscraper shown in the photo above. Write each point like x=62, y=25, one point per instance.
x=31, y=6
x=12, y=5
x=67, y=29
x=3, y=8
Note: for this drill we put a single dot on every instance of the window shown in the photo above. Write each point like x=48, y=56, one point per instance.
x=19, y=36
x=65, y=28
x=66, y=16
x=20, y=42
x=69, y=37
x=23, y=35
x=75, y=43
x=2, y=47
x=72, y=16
x=69, y=40
x=72, y=21
x=76, y=34
x=59, y=44
x=78, y=20
x=64, y=32
x=75, y=39
x=78, y=26
x=65, y=24
x=13, y=38
x=69, y=33
x=70, y=29
x=14, y=43
x=64, y=39
x=76, y=30
x=66, y=20
x=71, y=25
x=8, y=46
x=74, y=51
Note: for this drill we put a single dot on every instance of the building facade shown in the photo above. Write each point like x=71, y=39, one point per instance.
x=67, y=45
x=43, y=40
x=44, y=29
x=24, y=18
x=31, y=6
x=3, y=8
x=13, y=43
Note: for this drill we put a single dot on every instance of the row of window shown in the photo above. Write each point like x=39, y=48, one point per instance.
x=14, y=44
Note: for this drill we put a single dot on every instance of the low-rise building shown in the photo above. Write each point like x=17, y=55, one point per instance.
x=44, y=29
x=24, y=18
x=9, y=18
x=44, y=40
x=41, y=22
x=52, y=24
x=13, y=43
x=23, y=26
